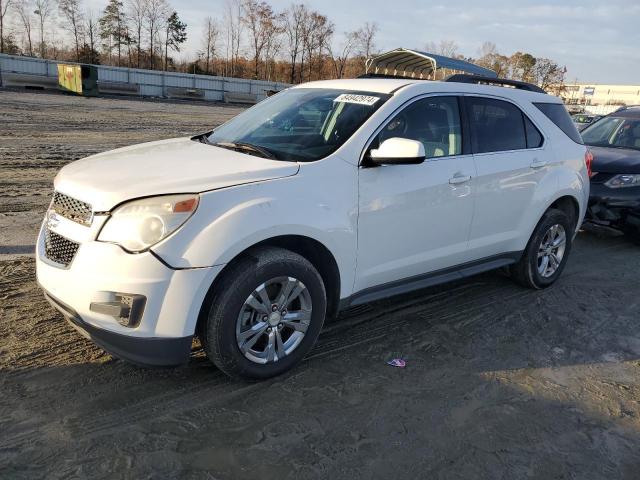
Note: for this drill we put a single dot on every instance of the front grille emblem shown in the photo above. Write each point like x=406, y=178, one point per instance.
x=53, y=220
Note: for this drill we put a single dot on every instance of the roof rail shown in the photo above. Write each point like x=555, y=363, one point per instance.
x=501, y=82
x=386, y=75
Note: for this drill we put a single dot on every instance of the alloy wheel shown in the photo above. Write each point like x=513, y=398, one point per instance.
x=551, y=250
x=273, y=320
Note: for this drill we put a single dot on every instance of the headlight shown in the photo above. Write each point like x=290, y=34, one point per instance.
x=624, y=180
x=139, y=224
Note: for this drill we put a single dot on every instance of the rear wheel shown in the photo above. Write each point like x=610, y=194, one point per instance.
x=265, y=315
x=546, y=253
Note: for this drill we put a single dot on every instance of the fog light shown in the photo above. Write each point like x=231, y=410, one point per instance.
x=126, y=308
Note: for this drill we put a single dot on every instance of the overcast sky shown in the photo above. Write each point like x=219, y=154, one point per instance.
x=598, y=41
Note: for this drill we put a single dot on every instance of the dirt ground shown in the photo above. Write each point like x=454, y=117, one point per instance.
x=501, y=382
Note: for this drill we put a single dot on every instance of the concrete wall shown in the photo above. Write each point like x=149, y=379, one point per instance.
x=146, y=83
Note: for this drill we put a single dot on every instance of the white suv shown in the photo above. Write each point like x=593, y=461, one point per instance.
x=326, y=195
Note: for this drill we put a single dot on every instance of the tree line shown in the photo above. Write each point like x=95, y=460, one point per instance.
x=249, y=39
x=522, y=66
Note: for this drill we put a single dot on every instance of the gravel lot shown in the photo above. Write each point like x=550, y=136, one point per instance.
x=501, y=382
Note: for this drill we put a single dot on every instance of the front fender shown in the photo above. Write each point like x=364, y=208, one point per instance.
x=319, y=203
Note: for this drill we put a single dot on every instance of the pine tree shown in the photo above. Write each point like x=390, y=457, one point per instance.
x=113, y=29
x=176, y=34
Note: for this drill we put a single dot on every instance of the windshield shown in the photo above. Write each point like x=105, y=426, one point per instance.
x=617, y=132
x=299, y=124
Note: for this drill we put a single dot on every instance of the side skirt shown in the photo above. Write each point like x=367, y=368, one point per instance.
x=430, y=279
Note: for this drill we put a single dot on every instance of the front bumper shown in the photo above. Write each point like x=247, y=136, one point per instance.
x=614, y=207
x=148, y=352
x=173, y=299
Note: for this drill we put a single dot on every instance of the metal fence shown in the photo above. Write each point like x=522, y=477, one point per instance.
x=146, y=83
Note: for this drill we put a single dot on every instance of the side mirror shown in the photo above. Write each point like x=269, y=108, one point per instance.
x=398, y=151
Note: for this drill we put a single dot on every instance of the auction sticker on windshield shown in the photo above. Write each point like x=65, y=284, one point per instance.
x=359, y=99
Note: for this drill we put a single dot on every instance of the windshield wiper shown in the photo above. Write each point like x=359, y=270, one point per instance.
x=247, y=147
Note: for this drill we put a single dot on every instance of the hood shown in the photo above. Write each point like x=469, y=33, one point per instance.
x=178, y=165
x=615, y=160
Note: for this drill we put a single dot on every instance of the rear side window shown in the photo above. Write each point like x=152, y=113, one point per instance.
x=534, y=137
x=559, y=115
x=496, y=125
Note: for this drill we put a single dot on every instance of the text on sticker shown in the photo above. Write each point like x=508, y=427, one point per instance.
x=359, y=99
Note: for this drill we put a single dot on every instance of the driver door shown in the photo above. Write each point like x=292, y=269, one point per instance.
x=416, y=219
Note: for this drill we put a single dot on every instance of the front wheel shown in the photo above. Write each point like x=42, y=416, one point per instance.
x=265, y=314
x=546, y=253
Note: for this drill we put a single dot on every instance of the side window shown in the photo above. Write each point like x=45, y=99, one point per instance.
x=496, y=125
x=557, y=113
x=534, y=137
x=434, y=121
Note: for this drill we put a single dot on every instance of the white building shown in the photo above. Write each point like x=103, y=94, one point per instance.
x=597, y=98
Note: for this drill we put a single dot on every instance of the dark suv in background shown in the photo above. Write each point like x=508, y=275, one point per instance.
x=614, y=142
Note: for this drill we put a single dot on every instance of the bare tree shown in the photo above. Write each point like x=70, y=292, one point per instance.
x=24, y=9
x=447, y=48
x=491, y=59
x=137, y=10
x=91, y=29
x=549, y=74
x=294, y=21
x=72, y=13
x=233, y=32
x=4, y=8
x=156, y=13
x=341, y=58
x=210, y=38
x=317, y=33
x=44, y=9
x=487, y=49
x=260, y=19
x=365, y=41
x=273, y=45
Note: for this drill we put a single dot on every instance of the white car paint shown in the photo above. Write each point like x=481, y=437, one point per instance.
x=380, y=224
x=176, y=165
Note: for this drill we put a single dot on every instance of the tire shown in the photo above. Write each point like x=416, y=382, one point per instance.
x=527, y=271
x=233, y=308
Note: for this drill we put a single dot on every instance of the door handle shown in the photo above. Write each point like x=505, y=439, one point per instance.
x=457, y=179
x=538, y=163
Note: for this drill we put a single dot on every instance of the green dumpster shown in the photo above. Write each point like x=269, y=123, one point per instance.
x=89, y=80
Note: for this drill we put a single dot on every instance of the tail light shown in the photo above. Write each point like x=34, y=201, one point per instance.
x=588, y=160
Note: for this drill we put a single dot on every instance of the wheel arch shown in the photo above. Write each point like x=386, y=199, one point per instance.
x=311, y=249
x=570, y=206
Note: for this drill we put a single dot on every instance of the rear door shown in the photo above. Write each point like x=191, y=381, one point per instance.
x=510, y=156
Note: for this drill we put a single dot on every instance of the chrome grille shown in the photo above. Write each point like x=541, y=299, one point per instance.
x=69, y=207
x=59, y=249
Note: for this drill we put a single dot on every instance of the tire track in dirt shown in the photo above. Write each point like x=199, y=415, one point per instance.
x=348, y=332
x=363, y=329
